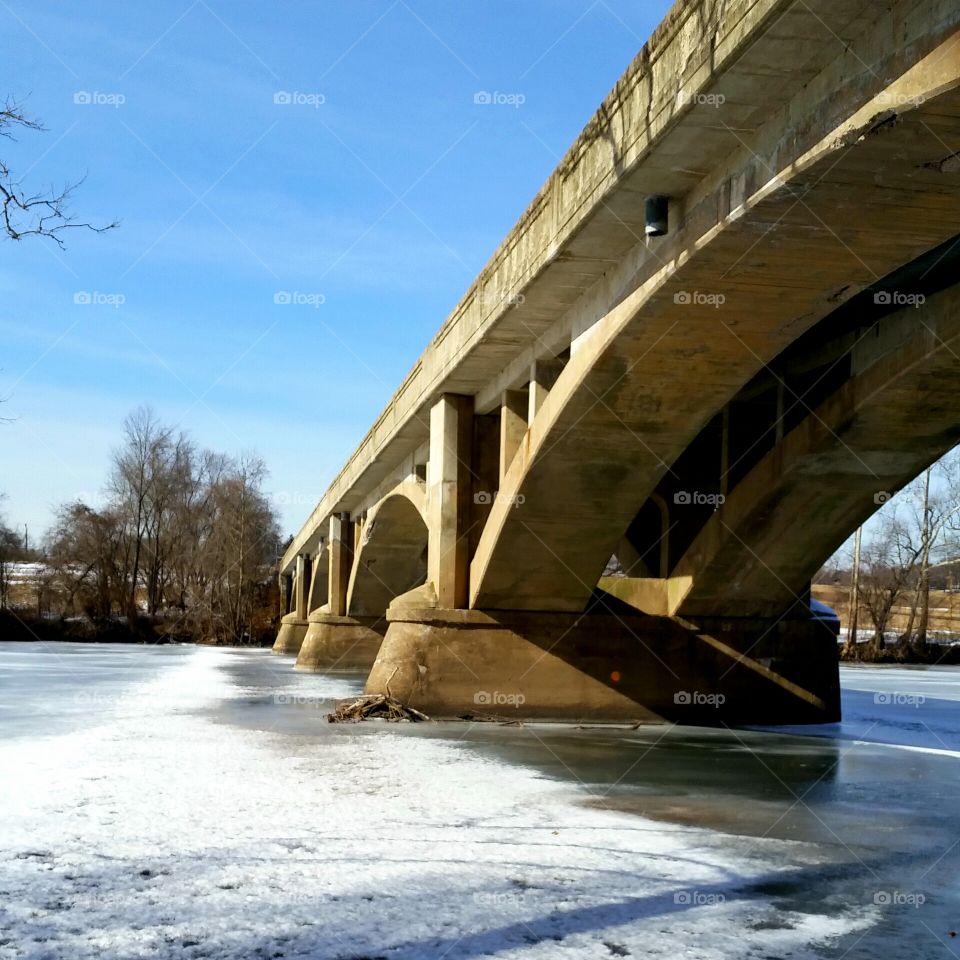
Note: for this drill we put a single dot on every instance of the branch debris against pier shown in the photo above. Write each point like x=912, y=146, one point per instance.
x=374, y=707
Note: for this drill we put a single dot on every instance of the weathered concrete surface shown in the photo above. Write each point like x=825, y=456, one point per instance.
x=809, y=149
x=894, y=417
x=391, y=557
x=290, y=635
x=454, y=663
x=335, y=644
x=655, y=132
x=853, y=207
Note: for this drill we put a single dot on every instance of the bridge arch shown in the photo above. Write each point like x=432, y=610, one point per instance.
x=392, y=554
x=801, y=501
x=661, y=365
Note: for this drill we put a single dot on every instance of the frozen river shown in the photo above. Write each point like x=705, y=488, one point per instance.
x=180, y=802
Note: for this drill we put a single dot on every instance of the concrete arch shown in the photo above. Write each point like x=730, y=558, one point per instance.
x=659, y=366
x=320, y=581
x=392, y=555
x=757, y=554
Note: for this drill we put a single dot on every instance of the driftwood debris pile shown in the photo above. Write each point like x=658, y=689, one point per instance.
x=374, y=707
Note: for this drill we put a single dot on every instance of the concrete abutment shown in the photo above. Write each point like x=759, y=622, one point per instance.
x=608, y=667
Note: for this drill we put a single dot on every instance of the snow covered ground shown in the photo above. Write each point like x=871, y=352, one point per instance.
x=150, y=827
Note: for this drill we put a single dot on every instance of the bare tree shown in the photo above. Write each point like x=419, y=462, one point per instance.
x=138, y=472
x=889, y=560
x=27, y=214
x=186, y=533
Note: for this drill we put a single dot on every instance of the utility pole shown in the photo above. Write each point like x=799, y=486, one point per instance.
x=925, y=563
x=854, y=590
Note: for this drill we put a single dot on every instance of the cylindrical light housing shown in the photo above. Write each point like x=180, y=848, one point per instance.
x=657, y=216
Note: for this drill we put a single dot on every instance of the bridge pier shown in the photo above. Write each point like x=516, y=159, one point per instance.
x=290, y=635
x=608, y=667
x=335, y=644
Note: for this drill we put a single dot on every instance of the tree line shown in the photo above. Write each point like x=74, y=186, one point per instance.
x=185, y=542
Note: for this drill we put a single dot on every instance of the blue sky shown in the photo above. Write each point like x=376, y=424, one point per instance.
x=378, y=192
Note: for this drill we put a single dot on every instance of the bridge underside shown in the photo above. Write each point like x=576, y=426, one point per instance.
x=625, y=527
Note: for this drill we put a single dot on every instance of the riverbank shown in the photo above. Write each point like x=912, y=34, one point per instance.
x=896, y=652
x=20, y=626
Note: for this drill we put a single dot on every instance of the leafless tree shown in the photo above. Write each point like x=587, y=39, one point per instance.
x=26, y=214
x=187, y=533
x=889, y=559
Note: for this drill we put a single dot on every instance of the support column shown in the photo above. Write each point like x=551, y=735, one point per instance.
x=293, y=624
x=341, y=560
x=485, y=466
x=513, y=425
x=543, y=375
x=725, y=451
x=303, y=585
x=449, y=496
x=286, y=593
x=336, y=642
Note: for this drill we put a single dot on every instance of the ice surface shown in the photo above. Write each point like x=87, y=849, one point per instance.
x=159, y=832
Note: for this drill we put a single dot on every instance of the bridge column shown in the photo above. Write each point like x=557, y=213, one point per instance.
x=513, y=425
x=293, y=625
x=449, y=499
x=341, y=559
x=336, y=642
x=286, y=593
x=543, y=375
x=302, y=585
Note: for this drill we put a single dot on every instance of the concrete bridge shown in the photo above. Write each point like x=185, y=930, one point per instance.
x=724, y=331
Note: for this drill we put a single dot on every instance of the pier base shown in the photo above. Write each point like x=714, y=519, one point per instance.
x=340, y=644
x=608, y=667
x=290, y=635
